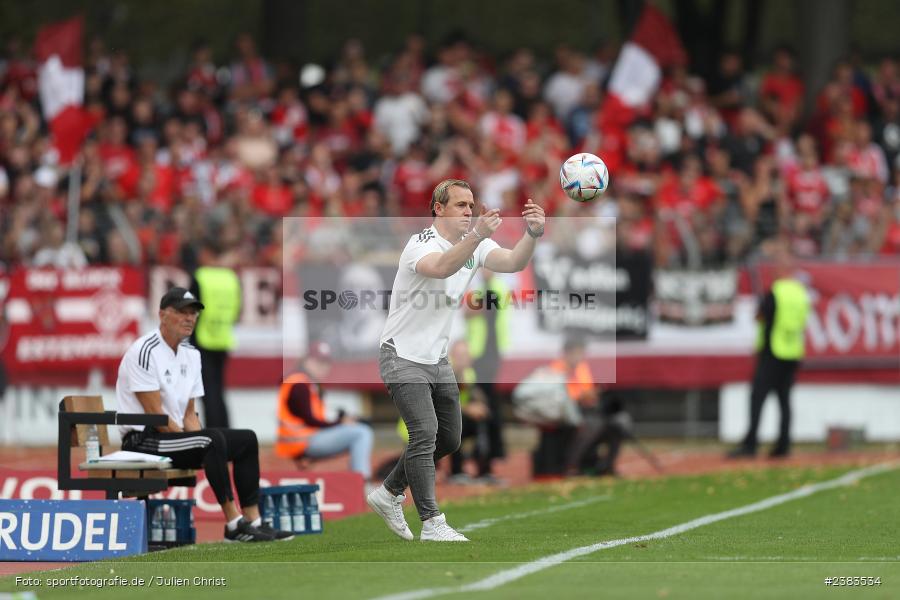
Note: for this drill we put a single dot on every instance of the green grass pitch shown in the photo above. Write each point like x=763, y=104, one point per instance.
x=785, y=551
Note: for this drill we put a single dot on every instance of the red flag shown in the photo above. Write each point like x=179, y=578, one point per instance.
x=655, y=34
x=61, y=84
x=653, y=46
x=62, y=39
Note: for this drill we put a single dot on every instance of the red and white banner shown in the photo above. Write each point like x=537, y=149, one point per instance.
x=60, y=323
x=653, y=46
x=72, y=320
x=61, y=84
x=856, y=312
x=340, y=493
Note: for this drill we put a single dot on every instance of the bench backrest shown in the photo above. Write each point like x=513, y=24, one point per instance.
x=86, y=404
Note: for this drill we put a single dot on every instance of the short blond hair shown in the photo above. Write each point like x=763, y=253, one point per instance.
x=441, y=193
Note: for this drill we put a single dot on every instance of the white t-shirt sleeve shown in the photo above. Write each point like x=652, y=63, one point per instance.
x=485, y=248
x=197, y=390
x=414, y=252
x=139, y=378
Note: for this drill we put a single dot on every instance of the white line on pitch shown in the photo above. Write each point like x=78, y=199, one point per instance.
x=509, y=575
x=532, y=513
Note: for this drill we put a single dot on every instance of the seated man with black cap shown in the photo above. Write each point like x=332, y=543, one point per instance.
x=160, y=374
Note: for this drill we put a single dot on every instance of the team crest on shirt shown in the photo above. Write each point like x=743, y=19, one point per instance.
x=470, y=264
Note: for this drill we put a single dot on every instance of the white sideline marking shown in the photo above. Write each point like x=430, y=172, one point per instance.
x=532, y=513
x=509, y=575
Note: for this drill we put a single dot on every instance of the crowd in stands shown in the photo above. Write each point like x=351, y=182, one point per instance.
x=702, y=177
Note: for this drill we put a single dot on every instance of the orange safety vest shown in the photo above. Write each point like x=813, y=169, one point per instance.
x=579, y=381
x=294, y=432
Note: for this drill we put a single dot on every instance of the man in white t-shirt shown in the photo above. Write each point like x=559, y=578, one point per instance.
x=436, y=267
x=160, y=374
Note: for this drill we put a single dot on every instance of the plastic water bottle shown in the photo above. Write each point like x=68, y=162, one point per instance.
x=92, y=444
x=298, y=516
x=156, y=526
x=268, y=515
x=169, y=523
x=315, y=517
x=284, y=514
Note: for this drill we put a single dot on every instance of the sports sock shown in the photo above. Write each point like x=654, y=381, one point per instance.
x=256, y=522
x=232, y=525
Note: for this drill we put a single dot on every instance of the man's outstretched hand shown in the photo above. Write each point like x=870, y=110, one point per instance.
x=488, y=222
x=534, y=217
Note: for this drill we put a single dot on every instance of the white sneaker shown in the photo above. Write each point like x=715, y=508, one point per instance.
x=436, y=529
x=390, y=508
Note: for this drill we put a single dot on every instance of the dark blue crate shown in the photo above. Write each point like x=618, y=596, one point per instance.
x=185, y=532
x=291, y=508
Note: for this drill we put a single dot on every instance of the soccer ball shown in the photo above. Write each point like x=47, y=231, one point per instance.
x=583, y=177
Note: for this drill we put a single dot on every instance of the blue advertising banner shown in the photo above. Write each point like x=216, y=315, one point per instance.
x=71, y=530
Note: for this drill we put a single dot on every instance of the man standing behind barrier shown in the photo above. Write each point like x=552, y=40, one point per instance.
x=217, y=286
x=780, y=347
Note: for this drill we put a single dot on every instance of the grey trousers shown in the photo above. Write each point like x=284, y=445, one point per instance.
x=427, y=397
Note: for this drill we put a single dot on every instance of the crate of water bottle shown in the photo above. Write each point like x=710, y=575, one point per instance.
x=291, y=508
x=170, y=522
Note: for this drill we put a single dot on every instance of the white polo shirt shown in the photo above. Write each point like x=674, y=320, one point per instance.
x=150, y=365
x=422, y=308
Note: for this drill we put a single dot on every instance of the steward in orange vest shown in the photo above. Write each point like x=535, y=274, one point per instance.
x=301, y=412
x=300, y=415
x=579, y=381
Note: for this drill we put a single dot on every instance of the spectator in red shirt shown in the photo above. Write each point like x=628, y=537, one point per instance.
x=202, y=75
x=412, y=181
x=119, y=159
x=341, y=134
x=688, y=204
x=842, y=85
x=323, y=179
x=502, y=126
x=156, y=186
x=782, y=90
x=251, y=76
x=865, y=158
x=360, y=111
x=690, y=191
x=807, y=190
x=289, y=118
x=271, y=195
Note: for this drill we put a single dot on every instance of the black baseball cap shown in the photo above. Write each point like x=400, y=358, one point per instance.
x=179, y=298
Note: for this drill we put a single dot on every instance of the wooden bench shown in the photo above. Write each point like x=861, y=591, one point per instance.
x=76, y=415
